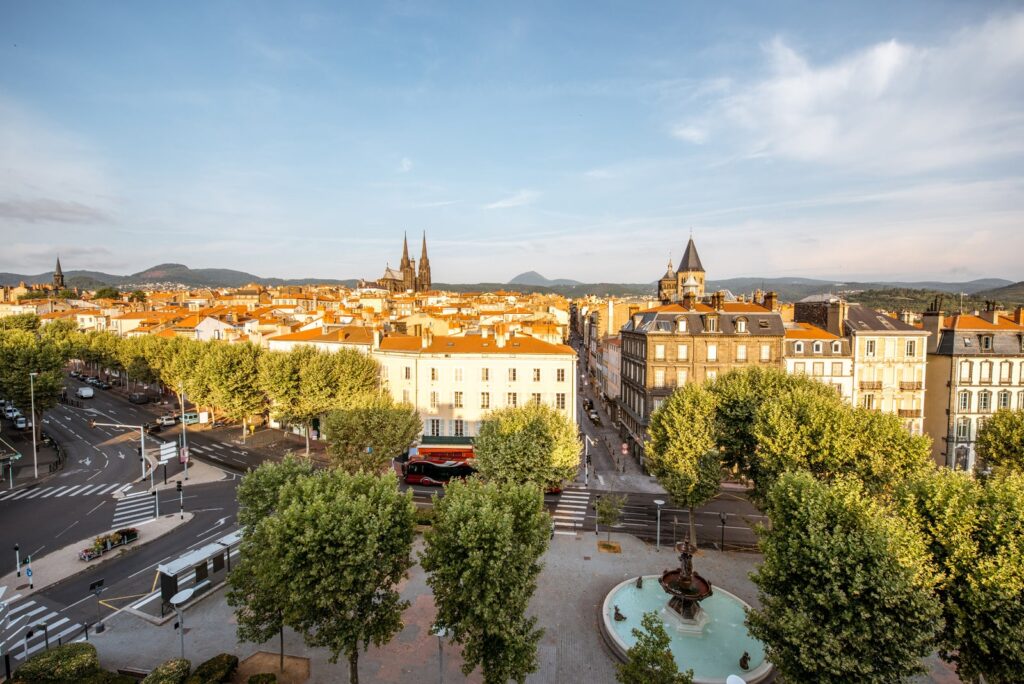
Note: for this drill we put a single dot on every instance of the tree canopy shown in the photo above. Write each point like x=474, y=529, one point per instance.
x=650, y=660
x=535, y=443
x=370, y=432
x=482, y=555
x=1000, y=442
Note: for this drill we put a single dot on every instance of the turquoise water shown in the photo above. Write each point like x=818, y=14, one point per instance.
x=715, y=654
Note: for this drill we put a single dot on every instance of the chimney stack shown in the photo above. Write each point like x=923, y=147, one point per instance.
x=688, y=300
x=771, y=301
x=907, y=317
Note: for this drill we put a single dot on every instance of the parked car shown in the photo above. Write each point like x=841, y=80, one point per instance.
x=85, y=393
x=153, y=427
x=103, y=385
x=10, y=412
x=75, y=374
x=596, y=419
x=21, y=423
x=167, y=421
x=138, y=398
x=189, y=417
x=588, y=405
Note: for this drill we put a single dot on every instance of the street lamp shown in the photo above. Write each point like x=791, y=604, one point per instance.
x=722, y=516
x=184, y=428
x=178, y=600
x=657, y=545
x=441, y=633
x=96, y=588
x=32, y=392
x=17, y=559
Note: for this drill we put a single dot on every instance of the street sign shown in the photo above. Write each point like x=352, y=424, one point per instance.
x=28, y=573
x=183, y=455
x=167, y=450
x=625, y=449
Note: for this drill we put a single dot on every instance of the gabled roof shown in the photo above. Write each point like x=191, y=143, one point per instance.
x=691, y=260
x=970, y=322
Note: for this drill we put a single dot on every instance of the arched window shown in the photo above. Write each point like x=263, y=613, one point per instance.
x=986, y=372
x=963, y=429
x=798, y=347
x=984, y=401
x=965, y=371
x=741, y=325
x=1005, y=372
x=964, y=402
x=817, y=347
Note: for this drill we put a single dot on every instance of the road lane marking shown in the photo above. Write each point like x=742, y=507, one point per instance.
x=66, y=528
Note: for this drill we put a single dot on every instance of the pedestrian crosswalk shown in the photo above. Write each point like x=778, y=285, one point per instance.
x=134, y=509
x=44, y=492
x=571, y=511
x=45, y=625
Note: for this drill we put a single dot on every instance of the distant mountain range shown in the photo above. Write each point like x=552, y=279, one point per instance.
x=789, y=289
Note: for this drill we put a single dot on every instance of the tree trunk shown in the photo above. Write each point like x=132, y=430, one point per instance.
x=281, y=666
x=353, y=667
x=693, y=530
x=309, y=426
x=243, y=430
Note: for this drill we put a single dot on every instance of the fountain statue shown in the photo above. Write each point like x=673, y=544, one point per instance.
x=686, y=587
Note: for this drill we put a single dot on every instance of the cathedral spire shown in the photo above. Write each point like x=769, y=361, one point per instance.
x=405, y=252
x=58, y=277
x=423, y=276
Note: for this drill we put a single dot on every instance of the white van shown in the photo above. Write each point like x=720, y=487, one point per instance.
x=84, y=393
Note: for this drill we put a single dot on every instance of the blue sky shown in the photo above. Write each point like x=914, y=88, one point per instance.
x=581, y=140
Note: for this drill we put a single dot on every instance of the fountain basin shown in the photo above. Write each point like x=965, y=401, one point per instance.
x=712, y=652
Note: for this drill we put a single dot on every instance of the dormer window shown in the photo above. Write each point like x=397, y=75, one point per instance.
x=817, y=347
x=711, y=323
x=798, y=347
x=681, y=325
x=837, y=347
x=986, y=343
x=741, y=325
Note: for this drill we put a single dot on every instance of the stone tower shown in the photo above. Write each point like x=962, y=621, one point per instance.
x=667, y=285
x=423, y=276
x=407, y=267
x=690, y=276
x=58, y=277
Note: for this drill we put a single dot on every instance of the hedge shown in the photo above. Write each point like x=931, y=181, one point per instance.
x=104, y=677
x=263, y=678
x=68, y=663
x=217, y=669
x=174, y=671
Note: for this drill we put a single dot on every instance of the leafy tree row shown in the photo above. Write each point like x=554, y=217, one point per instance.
x=323, y=553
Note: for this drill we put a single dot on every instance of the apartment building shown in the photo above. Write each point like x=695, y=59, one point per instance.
x=672, y=345
x=819, y=354
x=889, y=355
x=454, y=381
x=975, y=367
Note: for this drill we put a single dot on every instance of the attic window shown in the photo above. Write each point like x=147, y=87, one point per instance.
x=967, y=341
x=762, y=324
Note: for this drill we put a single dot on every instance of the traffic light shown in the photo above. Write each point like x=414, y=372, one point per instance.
x=179, y=485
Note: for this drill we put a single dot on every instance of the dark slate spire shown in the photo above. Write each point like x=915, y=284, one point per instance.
x=405, y=252
x=58, y=277
x=423, y=276
x=58, y=271
x=691, y=261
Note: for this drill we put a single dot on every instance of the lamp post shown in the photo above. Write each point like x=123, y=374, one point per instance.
x=181, y=500
x=722, y=516
x=32, y=393
x=184, y=427
x=3, y=628
x=657, y=545
x=17, y=559
x=178, y=600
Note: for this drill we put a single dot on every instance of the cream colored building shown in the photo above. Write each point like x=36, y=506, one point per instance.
x=817, y=353
x=454, y=381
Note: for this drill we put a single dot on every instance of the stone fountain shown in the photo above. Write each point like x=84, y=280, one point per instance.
x=687, y=589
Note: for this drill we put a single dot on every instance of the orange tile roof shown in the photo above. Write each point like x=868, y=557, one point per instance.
x=806, y=331
x=474, y=344
x=970, y=322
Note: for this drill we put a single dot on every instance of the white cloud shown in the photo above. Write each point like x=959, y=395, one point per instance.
x=890, y=107
x=521, y=198
x=691, y=134
x=405, y=166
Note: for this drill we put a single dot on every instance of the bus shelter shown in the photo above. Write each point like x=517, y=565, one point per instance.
x=200, y=570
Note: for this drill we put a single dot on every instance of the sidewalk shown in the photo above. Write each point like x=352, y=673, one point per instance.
x=24, y=471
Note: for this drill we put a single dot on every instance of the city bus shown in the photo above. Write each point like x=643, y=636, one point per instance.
x=436, y=472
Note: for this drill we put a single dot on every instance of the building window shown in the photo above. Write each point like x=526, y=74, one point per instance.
x=460, y=428
x=682, y=352
x=405, y=396
x=485, y=374
x=965, y=371
x=535, y=398
x=458, y=400
x=681, y=374
x=766, y=352
x=433, y=375
x=741, y=352
x=868, y=401
x=536, y=374
x=560, y=400
x=485, y=400
x=964, y=403
x=817, y=347
x=869, y=347
x=986, y=343
x=800, y=367
x=818, y=369
x=433, y=400
x=712, y=352
x=560, y=375
x=963, y=429
x=837, y=369
x=712, y=375
x=1020, y=400
x=1004, y=400
x=984, y=402
x=458, y=375
x=741, y=325
x=659, y=352
x=513, y=400
x=1005, y=372
x=657, y=403
x=837, y=347
x=435, y=427
x=911, y=348
x=659, y=377
x=681, y=325
x=798, y=347
x=511, y=374
x=986, y=372
x=408, y=372
x=712, y=323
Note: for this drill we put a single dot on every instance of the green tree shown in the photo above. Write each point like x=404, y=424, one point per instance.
x=255, y=588
x=341, y=543
x=804, y=429
x=650, y=660
x=975, y=535
x=609, y=509
x=137, y=296
x=21, y=353
x=367, y=435
x=1000, y=442
x=482, y=555
x=846, y=586
x=681, y=448
x=233, y=372
x=279, y=379
x=534, y=443
x=28, y=321
x=107, y=293
x=356, y=374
